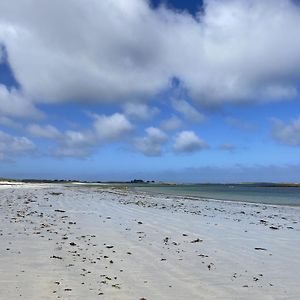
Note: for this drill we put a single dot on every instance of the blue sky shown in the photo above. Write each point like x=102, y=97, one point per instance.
x=174, y=91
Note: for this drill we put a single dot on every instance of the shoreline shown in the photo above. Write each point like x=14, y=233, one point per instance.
x=203, y=198
x=199, y=198
x=155, y=193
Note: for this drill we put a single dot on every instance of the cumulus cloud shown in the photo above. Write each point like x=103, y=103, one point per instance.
x=70, y=143
x=171, y=124
x=9, y=123
x=11, y=146
x=112, y=127
x=46, y=131
x=151, y=144
x=140, y=111
x=105, y=128
x=76, y=144
x=287, y=133
x=121, y=50
x=187, y=110
x=83, y=142
x=103, y=51
x=188, y=141
x=14, y=103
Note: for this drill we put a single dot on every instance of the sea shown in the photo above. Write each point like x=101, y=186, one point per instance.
x=253, y=193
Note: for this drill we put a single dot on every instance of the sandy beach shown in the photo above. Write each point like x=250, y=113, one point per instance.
x=77, y=242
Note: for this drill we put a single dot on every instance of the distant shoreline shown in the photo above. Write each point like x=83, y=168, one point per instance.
x=152, y=182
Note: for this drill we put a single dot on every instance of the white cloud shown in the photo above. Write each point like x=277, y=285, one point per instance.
x=104, y=51
x=140, y=111
x=287, y=134
x=123, y=50
x=188, y=141
x=112, y=127
x=14, y=103
x=188, y=111
x=151, y=144
x=105, y=128
x=46, y=131
x=75, y=138
x=242, y=53
x=76, y=144
x=171, y=124
x=71, y=143
x=82, y=143
x=11, y=146
x=9, y=123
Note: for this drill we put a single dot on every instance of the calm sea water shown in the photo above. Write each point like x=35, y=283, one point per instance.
x=244, y=193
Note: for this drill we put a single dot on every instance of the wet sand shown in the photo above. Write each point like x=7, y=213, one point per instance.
x=77, y=242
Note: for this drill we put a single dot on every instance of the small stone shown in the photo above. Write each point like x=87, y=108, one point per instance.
x=197, y=241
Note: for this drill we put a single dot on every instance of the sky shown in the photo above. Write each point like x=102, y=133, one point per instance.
x=184, y=91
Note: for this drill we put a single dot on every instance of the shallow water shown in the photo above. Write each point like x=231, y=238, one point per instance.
x=276, y=195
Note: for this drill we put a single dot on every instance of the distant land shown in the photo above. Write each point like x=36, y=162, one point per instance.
x=141, y=181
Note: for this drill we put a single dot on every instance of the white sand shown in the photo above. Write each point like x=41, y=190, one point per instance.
x=6, y=183
x=152, y=255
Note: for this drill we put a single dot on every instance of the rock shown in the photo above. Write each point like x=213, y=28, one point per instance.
x=116, y=286
x=197, y=241
x=259, y=248
x=57, y=257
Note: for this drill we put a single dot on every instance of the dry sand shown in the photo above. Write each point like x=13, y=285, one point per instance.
x=76, y=242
